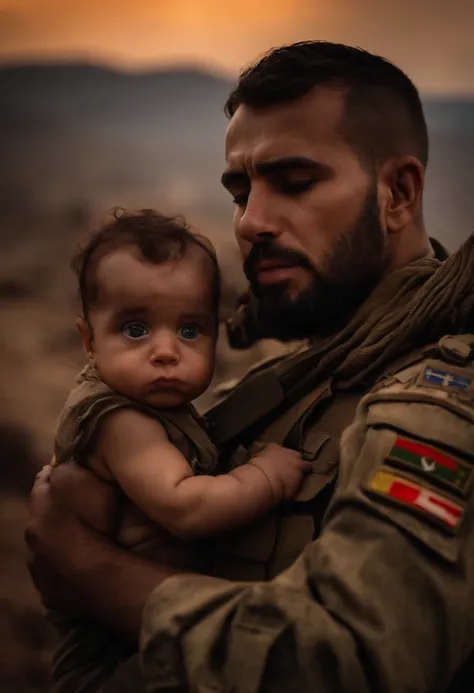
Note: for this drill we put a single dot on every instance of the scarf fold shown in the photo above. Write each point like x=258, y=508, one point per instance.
x=414, y=305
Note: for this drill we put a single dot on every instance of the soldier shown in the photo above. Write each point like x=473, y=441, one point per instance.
x=364, y=582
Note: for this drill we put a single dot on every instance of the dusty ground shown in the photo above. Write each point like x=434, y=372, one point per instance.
x=25, y=635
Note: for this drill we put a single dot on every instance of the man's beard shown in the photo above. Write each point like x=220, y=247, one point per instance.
x=351, y=270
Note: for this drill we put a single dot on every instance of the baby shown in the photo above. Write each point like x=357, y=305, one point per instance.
x=150, y=294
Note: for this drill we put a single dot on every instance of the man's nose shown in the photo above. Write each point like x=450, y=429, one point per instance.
x=164, y=348
x=258, y=222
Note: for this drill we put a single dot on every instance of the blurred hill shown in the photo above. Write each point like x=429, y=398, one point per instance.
x=76, y=140
x=87, y=133
x=93, y=135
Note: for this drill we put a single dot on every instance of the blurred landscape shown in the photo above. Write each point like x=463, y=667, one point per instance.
x=76, y=140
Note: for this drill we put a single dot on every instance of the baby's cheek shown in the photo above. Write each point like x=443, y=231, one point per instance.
x=203, y=370
x=122, y=368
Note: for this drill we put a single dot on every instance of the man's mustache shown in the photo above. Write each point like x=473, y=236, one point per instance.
x=269, y=250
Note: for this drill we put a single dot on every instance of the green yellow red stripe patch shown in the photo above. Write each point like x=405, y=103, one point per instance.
x=422, y=499
x=438, y=465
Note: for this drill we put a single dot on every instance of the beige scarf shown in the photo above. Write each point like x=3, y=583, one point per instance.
x=413, y=306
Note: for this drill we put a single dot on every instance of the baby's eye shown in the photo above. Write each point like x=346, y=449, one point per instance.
x=135, y=330
x=189, y=332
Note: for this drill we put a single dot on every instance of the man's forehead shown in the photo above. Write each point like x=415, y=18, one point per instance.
x=286, y=129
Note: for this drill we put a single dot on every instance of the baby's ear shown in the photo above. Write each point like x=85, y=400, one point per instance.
x=87, y=337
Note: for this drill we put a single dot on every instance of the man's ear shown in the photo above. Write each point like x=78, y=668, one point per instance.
x=402, y=181
x=87, y=338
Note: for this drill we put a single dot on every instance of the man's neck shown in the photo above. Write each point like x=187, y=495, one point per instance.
x=409, y=245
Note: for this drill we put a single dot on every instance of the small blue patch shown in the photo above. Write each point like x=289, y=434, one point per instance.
x=434, y=376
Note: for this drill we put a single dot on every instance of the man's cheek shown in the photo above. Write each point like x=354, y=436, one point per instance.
x=244, y=247
x=303, y=280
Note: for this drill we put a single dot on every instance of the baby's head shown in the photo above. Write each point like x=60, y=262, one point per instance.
x=150, y=291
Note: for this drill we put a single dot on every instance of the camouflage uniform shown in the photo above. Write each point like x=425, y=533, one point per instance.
x=382, y=599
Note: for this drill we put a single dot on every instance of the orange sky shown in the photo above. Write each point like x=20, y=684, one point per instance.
x=431, y=39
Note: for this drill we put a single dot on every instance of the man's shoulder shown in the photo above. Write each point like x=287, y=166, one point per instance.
x=443, y=372
x=432, y=398
x=408, y=456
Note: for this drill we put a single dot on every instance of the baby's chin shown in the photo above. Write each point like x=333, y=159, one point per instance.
x=161, y=398
x=172, y=398
x=165, y=400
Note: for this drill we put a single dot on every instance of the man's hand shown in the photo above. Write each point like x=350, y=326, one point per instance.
x=74, y=564
x=70, y=510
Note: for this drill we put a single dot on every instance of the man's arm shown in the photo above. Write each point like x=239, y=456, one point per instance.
x=74, y=566
x=381, y=602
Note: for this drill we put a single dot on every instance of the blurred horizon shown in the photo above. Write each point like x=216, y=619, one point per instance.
x=213, y=71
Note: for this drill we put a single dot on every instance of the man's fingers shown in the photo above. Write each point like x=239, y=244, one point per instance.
x=72, y=480
x=44, y=473
x=40, y=487
x=39, y=501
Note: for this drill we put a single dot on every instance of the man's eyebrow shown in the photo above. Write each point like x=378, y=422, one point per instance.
x=289, y=163
x=233, y=176
x=280, y=165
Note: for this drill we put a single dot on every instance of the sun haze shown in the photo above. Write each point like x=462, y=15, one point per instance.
x=431, y=41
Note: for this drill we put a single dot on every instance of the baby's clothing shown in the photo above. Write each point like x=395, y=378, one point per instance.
x=88, y=654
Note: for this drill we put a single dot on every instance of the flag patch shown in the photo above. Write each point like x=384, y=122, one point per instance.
x=440, y=467
x=418, y=497
x=445, y=379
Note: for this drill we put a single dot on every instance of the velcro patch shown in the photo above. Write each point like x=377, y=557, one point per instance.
x=446, y=377
x=432, y=462
x=404, y=492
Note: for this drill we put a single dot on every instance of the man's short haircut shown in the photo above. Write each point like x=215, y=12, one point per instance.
x=383, y=111
x=158, y=238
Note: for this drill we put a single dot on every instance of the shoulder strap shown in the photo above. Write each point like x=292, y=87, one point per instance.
x=280, y=428
x=259, y=395
x=457, y=349
x=248, y=404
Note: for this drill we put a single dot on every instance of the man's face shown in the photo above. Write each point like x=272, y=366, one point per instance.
x=306, y=217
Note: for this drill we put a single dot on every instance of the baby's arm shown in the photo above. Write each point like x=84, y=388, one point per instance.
x=158, y=478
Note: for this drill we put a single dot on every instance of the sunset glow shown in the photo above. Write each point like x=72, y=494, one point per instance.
x=431, y=41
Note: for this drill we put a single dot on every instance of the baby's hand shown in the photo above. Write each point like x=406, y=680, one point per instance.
x=283, y=468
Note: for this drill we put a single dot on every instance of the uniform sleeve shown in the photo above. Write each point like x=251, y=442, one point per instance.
x=382, y=601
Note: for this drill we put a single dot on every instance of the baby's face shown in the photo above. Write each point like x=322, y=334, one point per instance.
x=154, y=326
